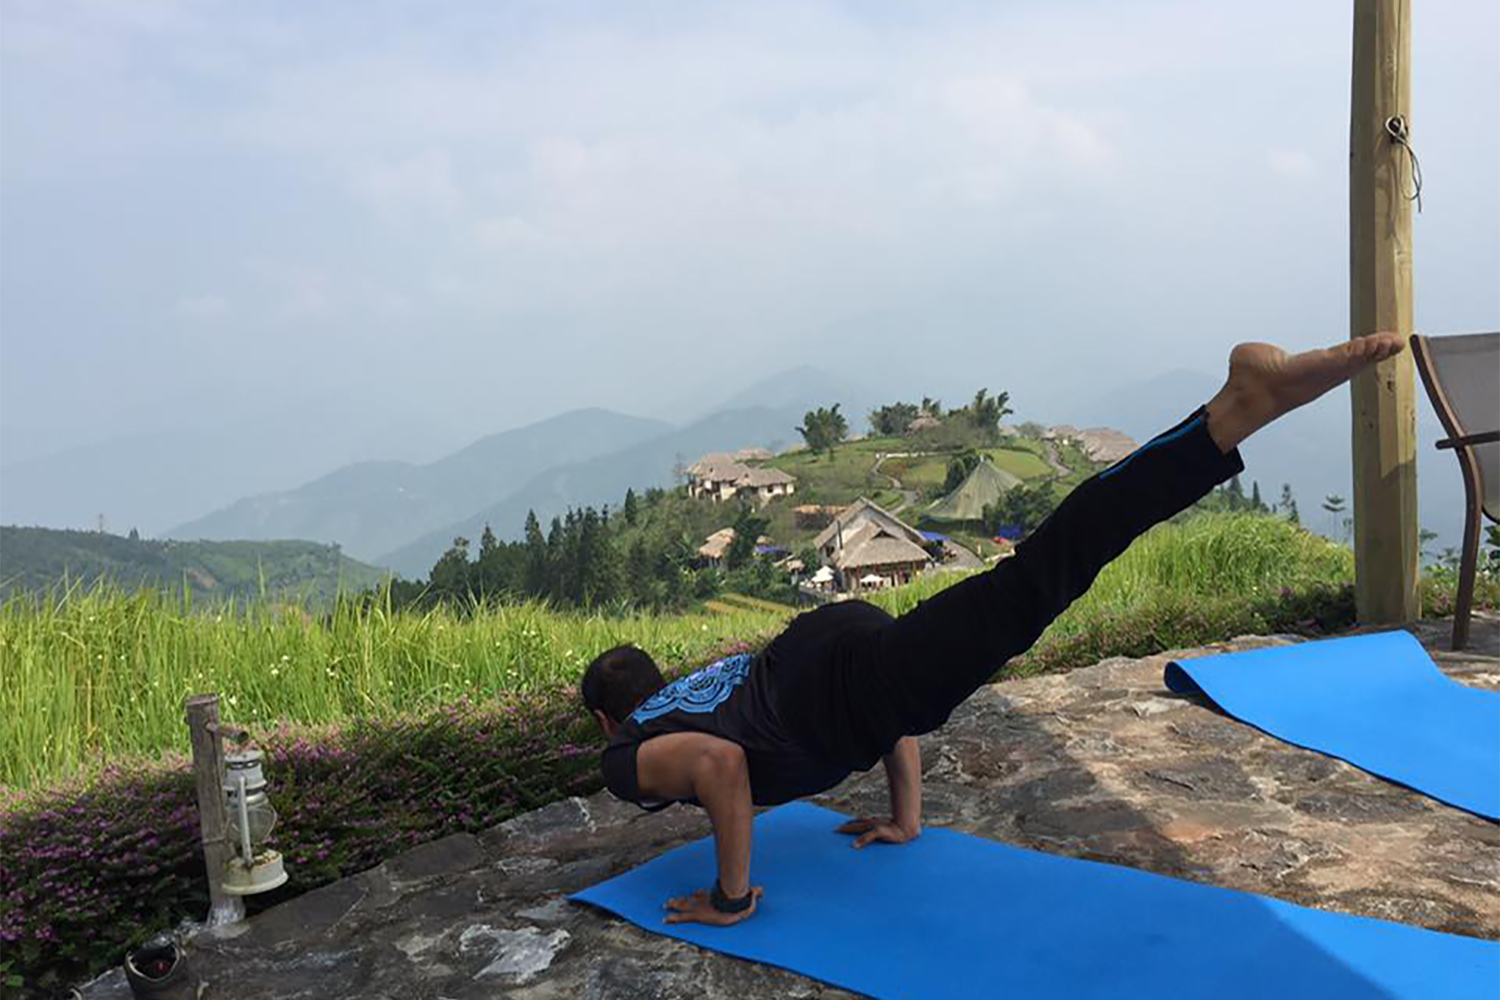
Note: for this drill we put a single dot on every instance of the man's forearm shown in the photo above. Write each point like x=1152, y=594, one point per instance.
x=903, y=772
x=724, y=789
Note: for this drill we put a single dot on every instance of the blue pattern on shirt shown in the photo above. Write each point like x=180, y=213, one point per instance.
x=702, y=691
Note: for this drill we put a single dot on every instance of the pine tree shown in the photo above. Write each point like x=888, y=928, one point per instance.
x=534, y=576
x=1288, y=504
x=1255, y=501
x=1236, y=493
x=556, y=589
x=609, y=571
x=630, y=511
x=638, y=574
x=450, y=575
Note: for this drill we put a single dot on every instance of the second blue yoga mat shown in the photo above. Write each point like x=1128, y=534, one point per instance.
x=955, y=917
x=1376, y=701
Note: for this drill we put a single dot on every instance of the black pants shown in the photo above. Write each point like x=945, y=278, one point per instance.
x=860, y=680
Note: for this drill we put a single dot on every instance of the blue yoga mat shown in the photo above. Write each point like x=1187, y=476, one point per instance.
x=955, y=917
x=1376, y=701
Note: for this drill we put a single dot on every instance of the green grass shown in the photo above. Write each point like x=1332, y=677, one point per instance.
x=103, y=674
x=1238, y=560
x=758, y=604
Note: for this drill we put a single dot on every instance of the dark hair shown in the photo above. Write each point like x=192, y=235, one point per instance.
x=618, y=680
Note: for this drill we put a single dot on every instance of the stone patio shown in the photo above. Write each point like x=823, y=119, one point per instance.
x=1102, y=763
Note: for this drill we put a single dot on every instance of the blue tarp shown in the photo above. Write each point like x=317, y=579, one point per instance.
x=1376, y=701
x=955, y=917
x=933, y=536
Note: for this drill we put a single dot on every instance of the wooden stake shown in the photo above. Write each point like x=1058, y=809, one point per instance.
x=208, y=776
x=1380, y=298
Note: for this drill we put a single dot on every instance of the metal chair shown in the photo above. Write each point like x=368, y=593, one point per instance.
x=1462, y=377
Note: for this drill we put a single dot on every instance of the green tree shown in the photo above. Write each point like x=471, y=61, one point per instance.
x=1334, y=505
x=1255, y=501
x=557, y=558
x=986, y=412
x=1236, y=493
x=631, y=510
x=748, y=526
x=534, y=575
x=823, y=428
x=810, y=559
x=892, y=419
x=1025, y=506
x=959, y=467
x=1423, y=537
x=450, y=574
x=1288, y=504
x=638, y=577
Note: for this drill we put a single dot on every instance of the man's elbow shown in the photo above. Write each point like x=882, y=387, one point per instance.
x=720, y=769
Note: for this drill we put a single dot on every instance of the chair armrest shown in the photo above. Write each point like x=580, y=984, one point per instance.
x=1469, y=440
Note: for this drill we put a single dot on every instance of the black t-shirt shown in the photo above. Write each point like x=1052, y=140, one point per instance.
x=734, y=699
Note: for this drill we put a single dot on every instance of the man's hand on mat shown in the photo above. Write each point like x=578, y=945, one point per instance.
x=873, y=828
x=699, y=909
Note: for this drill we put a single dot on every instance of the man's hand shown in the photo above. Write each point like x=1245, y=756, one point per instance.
x=699, y=909
x=873, y=828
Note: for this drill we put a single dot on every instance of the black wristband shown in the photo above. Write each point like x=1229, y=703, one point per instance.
x=724, y=904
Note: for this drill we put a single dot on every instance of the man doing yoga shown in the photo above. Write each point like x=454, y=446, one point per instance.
x=846, y=685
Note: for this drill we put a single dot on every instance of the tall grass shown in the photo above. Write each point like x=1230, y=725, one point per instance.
x=86, y=676
x=1208, y=563
x=1213, y=555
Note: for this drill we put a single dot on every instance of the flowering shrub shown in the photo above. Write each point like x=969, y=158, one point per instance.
x=90, y=870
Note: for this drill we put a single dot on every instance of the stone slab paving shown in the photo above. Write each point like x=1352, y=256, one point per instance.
x=1101, y=763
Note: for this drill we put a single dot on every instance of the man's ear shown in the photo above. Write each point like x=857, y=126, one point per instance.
x=606, y=723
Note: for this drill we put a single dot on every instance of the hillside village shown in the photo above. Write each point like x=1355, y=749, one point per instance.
x=833, y=551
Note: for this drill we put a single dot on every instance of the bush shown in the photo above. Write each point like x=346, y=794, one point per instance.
x=90, y=870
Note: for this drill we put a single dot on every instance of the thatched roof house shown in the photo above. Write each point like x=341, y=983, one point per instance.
x=866, y=539
x=717, y=545
x=925, y=422
x=719, y=477
x=1105, y=445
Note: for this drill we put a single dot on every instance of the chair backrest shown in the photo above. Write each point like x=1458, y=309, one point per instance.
x=1464, y=386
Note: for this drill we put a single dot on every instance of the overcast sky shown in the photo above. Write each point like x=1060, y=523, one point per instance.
x=470, y=216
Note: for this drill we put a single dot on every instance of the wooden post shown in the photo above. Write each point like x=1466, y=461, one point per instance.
x=1380, y=299
x=208, y=776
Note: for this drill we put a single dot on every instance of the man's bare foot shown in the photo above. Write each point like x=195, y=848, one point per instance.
x=1266, y=382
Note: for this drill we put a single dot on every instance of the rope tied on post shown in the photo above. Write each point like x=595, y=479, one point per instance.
x=1400, y=133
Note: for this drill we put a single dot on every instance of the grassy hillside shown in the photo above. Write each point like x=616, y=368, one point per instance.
x=36, y=559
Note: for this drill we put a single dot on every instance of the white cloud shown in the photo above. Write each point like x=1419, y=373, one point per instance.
x=421, y=184
x=201, y=306
x=1291, y=163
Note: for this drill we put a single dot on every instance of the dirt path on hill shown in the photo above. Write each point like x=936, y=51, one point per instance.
x=908, y=496
x=1053, y=460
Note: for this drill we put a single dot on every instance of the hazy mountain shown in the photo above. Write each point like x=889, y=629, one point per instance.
x=374, y=507
x=1310, y=449
x=35, y=559
x=152, y=481
x=801, y=389
x=603, y=480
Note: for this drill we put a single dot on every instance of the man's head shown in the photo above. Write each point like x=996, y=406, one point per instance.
x=616, y=682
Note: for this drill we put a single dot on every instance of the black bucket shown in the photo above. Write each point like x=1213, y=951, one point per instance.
x=158, y=970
